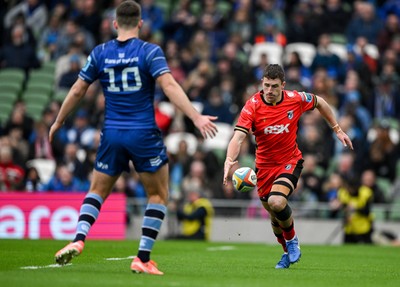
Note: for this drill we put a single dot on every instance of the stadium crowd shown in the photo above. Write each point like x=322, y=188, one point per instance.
x=211, y=48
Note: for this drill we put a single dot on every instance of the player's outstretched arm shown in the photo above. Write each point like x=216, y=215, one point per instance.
x=75, y=94
x=232, y=153
x=178, y=97
x=326, y=111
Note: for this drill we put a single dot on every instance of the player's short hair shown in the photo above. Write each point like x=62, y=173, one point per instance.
x=274, y=71
x=128, y=14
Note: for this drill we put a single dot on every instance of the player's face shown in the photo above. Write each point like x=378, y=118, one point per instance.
x=272, y=90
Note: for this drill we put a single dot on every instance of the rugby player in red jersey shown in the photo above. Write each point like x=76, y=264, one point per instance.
x=272, y=115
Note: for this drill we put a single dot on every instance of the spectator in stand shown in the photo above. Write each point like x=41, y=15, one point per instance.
x=19, y=53
x=63, y=180
x=241, y=25
x=11, y=175
x=356, y=201
x=81, y=132
x=196, y=180
x=34, y=11
x=211, y=22
x=196, y=217
x=266, y=10
x=312, y=141
x=40, y=146
x=364, y=23
x=63, y=62
x=153, y=15
x=29, y=37
x=390, y=30
x=312, y=177
x=298, y=28
x=383, y=151
x=68, y=78
x=20, y=119
x=215, y=106
x=181, y=25
x=32, y=180
x=336, y=16
x=368, y=179
x=330, y=190
x=70, y=33
x=77, y=161
x=89, y=18
x=47, y=45
x=385, y=101
x=325, y=59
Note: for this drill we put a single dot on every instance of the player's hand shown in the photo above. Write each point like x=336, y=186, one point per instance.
x=205, y=125
x=227, y=167
x=53, y=129
x=344, y=138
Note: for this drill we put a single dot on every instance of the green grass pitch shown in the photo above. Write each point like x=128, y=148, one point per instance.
x=190, y=264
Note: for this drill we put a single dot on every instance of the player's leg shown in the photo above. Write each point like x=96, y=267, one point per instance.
x=156, y=186
x=111, y=161
x=100, y=188
x=277, y=201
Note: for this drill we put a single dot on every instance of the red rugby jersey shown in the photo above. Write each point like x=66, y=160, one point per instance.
x=275, y=126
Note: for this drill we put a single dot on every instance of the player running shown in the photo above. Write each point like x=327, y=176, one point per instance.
x=272, y=115
x=128, y=69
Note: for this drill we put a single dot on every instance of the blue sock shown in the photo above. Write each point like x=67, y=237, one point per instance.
x=153, y=218
x=88, y=214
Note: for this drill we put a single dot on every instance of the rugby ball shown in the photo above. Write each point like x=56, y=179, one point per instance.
x=244, y=179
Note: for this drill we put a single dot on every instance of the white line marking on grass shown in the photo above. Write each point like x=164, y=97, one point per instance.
x=46, y=266
x=120, y=258
x=221, y=248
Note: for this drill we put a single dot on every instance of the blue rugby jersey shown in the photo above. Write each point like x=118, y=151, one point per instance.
x=127, y=72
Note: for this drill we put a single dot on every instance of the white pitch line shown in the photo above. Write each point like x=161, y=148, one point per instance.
x=221, y=248
x=46, y=266
x=120, y=258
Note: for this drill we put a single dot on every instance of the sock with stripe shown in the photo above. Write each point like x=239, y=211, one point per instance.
x=88, y=214
x=153, y=218
x=281, y=240
x=288, y=232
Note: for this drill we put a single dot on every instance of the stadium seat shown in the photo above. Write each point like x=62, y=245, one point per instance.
x=35, y=110
x=371, y=50
x=221, y=140
x=11, y=87
x=172, y=142
x=274, y=52
x=5, y=111
x=166, y=108
x=395, y=210
x=41, y=76
x=49, y=67
x=7, y=97
x=39, y=87
x=338, y=49
x=306, y=52
x=45, y=168
x=12, y=75
x=60, y=95
x=35, y=98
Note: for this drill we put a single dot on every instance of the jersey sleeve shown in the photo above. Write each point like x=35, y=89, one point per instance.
x=89, y=73
x=308, y=101
x=156, y=61
x=246, y=117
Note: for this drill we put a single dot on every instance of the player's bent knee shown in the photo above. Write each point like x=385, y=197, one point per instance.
x=277, y=200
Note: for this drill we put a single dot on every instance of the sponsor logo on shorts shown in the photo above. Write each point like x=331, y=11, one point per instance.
x=277, y=129
x=155, y=161
x=289, y=166
x=101, y=165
